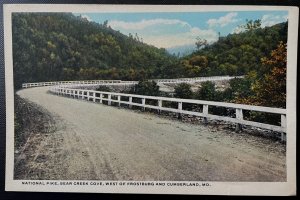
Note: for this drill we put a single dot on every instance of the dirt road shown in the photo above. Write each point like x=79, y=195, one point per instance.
x=99, y=142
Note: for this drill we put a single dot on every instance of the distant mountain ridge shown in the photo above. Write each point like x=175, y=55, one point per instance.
x=183, y=50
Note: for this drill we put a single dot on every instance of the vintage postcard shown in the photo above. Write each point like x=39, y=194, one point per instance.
x=158, y=99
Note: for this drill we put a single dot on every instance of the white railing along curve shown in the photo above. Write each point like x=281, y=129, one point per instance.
x=196, y=79
x=78, y=89
x=109, y=97
x=178, y=80
x=41, y=84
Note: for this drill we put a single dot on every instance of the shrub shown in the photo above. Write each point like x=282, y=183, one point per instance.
x=149, y=88
x=207, y=91
x=183, y=91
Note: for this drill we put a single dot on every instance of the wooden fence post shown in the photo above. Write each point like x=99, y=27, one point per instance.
x=88, y=96
x=109, y=99
x=283, y=125
x=239, y=116
x=179, y=110
x=119, y=100
x=143, y=103
x=159, y=106
x=205, y=113
x=101, y=96
x=130, y=101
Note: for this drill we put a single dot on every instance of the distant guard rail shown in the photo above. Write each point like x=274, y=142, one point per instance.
x=178, y=80
x=42, y=84
x=196, y=79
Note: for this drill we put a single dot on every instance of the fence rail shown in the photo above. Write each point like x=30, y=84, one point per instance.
x=41, y=84
x=178, y=80
x=196, y=79
x=110, y=97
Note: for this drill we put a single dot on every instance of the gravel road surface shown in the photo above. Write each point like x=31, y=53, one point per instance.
x=98, y=142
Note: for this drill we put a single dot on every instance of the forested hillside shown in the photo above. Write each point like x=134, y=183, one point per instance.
x=236, y=54
x=61, y=46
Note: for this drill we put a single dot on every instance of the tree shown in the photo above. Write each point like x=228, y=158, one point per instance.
x=198, y=60
x=207, y=91
x=149, y=88
x=68, y=74
x=195, y=66
x=271, y=89
x=183, y=91
x=200, y=43
x=252, y=24
x=105, y=23
x=240, y=88
x=88, y=73
x=268, y=88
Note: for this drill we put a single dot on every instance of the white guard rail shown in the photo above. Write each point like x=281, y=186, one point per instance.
x=41, y=84
x=196, y=79
x=109, y=97
x=178, y=80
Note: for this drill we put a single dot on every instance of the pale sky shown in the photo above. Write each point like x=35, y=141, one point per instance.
x=175, y=29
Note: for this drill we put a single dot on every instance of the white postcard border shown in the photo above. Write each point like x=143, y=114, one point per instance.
x=213, y=188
